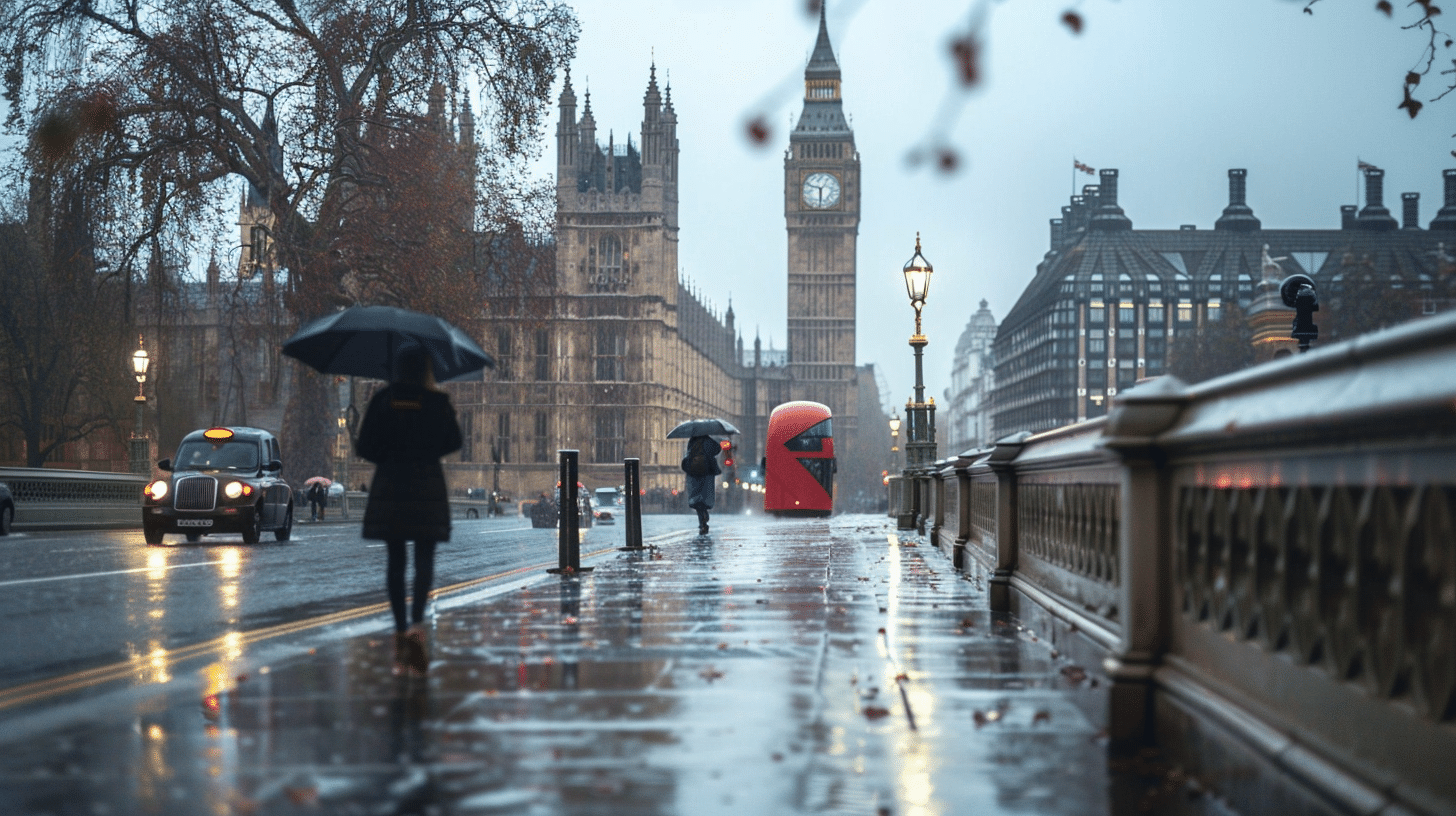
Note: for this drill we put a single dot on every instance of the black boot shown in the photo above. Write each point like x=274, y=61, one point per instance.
x=702, y=521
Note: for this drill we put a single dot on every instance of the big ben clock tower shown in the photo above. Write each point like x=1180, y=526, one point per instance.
x=821, y=208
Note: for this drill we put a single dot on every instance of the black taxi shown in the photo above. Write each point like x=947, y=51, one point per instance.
x=223, y=480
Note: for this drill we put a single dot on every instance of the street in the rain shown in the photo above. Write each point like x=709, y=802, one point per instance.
x=817, y=666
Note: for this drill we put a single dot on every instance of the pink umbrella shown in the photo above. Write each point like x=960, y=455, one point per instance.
x=323, y=480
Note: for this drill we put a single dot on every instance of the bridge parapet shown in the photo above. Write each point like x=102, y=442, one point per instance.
x=1267, y=561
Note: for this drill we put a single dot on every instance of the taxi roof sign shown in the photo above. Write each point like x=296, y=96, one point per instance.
x=218, y=433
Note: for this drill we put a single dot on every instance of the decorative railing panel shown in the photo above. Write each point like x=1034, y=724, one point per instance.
x=1068, y=534
x=983, y=513
x=1356, y=582
x=950, y=509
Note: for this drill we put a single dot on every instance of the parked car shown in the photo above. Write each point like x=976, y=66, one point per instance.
x=223, y=480
x=7, y=509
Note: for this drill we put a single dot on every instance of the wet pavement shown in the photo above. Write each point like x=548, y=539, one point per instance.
x=771, y=667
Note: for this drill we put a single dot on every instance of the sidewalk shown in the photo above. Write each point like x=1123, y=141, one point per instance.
x=773, y=667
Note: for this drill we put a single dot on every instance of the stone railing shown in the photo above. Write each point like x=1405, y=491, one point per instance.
x=52, y=499
x=1266, y=561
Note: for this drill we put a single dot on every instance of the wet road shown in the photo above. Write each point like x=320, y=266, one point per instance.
x=88, y=600
x=799, y=667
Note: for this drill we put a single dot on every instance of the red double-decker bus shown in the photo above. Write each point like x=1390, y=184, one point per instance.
x=799, y=465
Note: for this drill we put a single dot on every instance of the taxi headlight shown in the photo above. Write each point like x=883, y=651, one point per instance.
x=157, y=490
x=233, y=490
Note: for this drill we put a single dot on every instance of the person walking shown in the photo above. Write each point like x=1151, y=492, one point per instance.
x=408, y=426
x=315, y=496
x=700, y=463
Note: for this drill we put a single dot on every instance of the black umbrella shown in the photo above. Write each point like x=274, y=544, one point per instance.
x=363, y=341
x=702, y=427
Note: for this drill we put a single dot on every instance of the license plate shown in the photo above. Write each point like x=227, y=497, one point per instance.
x=194, y=522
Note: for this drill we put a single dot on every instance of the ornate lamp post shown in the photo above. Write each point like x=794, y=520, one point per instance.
x=920, y=436
x=894, y=440
x=140, y=463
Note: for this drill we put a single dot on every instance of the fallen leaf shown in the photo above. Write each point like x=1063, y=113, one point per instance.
x=1384, y=7
x=875, y=712
x=1076, y=674
x=302, y=796
x=1041, y=716
x=1073, y=20
x=710, y=674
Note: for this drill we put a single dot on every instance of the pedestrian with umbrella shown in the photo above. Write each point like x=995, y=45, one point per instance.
x=407, y=427
x=700, y=462
x=318, y=496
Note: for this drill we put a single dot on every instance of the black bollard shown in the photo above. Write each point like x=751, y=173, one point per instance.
x=568, y=536
x=633, y=509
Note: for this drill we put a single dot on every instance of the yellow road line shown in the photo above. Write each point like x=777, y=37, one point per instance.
x=41, y=689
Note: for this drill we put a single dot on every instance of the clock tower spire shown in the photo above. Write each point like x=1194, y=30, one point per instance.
x=821, y=211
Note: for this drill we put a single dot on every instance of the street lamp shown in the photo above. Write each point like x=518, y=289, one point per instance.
x=894, y=437
x=920, y=436
x=139, y=448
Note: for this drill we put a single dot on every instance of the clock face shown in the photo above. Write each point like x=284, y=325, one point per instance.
x=821, y=191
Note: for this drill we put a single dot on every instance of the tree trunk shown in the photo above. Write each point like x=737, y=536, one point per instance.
x=309, y=428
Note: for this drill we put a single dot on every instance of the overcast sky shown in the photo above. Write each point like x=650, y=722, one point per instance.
x=1170, y=94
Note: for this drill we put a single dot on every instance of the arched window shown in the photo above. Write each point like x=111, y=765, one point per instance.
x=605, y=264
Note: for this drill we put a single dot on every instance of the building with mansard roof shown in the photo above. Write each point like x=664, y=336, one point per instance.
x=1109, y=302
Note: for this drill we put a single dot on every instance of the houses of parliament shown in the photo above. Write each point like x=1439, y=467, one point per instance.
x=602, y=348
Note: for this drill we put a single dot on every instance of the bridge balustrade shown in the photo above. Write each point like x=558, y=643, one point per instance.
x=52, y=498
x=1266, y=561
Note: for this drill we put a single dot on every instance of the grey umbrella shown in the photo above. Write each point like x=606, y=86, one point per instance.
x=702, y=427
x=363, y=341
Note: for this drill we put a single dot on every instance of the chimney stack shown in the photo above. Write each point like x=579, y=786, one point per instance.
x=1446, y=219
x=1375, y=217
x=1108, y=216
x=1410, y=204
x=1347, y=216
x=1237, y=216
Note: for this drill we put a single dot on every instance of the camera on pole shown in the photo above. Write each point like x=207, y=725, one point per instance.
x=1298, y=293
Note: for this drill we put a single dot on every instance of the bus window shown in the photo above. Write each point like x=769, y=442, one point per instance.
x=811, y=439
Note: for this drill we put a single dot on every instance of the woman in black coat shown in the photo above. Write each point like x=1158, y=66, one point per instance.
x=408, y=426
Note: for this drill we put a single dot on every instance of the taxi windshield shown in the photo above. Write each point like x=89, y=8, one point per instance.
x=206, y=454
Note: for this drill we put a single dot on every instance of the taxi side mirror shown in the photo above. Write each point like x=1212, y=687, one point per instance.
x=274, y=465
x=165, y=464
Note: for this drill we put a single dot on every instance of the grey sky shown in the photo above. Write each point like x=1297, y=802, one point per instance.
x=1173, y=94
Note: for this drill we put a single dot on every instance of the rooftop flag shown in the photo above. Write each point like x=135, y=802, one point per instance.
x=1083, y=167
